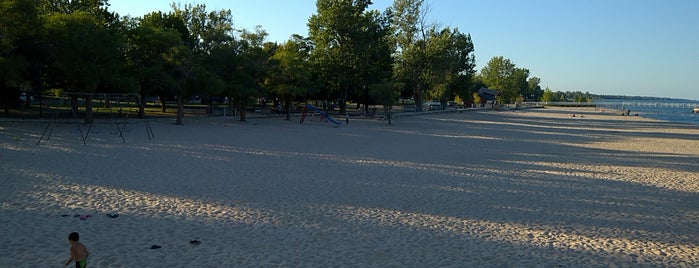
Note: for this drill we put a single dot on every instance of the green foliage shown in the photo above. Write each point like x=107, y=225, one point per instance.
x=386, y=95
x=252, y=59
x=548, y=95
x=410, y=39
x=567, y=96
x=351, y=47
x=432, y=62
x=450, y=64
x=501, y=74
x=534, y=91
x=359, y=55
x=19, y=30
x=290, y=74
x=155, y=54
x=85, y=54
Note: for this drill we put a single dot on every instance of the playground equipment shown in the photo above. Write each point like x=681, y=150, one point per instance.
x=319, y=111
x=110, y=101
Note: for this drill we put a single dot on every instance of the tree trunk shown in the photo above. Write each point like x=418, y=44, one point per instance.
x=241, y=109
x=180, y=110
x=418, y=98
x=388, y=114
x=141, y=105
x=89, y=116
x=163, y=108
x=287, y=104
x=41, y=104
x=343, y=100
x=6, y=108
x=74, y=104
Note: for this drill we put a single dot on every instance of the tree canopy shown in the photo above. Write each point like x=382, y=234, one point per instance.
x=351, y=48
x=353, y=54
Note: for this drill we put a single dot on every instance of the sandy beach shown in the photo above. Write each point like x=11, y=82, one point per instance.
x=531, y=188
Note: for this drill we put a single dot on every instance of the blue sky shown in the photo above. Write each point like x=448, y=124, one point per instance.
x=620, y=47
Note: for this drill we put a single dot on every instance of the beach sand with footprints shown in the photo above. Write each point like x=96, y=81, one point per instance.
x=531, y=188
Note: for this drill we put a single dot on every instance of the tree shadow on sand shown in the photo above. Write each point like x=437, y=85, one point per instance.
x=502, y=190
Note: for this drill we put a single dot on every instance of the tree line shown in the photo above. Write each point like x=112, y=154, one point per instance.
x=353, y=54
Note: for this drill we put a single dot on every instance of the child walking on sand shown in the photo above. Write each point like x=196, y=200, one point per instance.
x=78, y=251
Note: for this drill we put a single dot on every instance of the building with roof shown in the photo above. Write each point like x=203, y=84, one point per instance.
x=488, y=96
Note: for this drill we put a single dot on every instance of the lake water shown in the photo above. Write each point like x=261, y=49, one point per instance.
x=674, y=110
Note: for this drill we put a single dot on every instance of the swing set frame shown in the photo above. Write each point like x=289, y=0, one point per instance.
x=119, y=115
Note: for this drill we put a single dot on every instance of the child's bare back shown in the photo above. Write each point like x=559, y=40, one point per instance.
x=78, y=251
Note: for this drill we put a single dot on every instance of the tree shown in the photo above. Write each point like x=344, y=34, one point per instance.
x=548, y=95
x=476, y=98
x=431, y=62
x=19, y=22
x=501, y=74
x=497, y=73
x=350, y=47
x=534, y=91
x=386, y=95
x=204, y=34
x=376, y=54
x=291, y=72
x=85, y=54
x=450, y=64
x=155, y=46
x=252, y=65
x=411, y=38
x=518, y=84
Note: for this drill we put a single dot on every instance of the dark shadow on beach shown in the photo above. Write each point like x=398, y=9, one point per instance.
x=384, y=199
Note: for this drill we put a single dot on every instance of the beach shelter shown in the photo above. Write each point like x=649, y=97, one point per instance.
x=488, y=96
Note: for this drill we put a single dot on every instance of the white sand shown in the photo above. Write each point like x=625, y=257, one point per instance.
x=533, y=188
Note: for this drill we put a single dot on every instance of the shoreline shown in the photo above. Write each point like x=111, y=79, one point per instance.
x=482, y=188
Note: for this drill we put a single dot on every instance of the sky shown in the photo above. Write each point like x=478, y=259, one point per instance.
x=609, y=47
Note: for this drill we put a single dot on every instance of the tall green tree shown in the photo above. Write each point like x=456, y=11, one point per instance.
x=548, y=95
x=411, y=31
x=534, y=91
x=156, y=46
x=497, y=72
x=351, y=48
x=385, y=94
x=86, y=55
x=518, y=82
x=291, y=75
x=501, y=74
x=19, y=24
x=450, y=64
x=252, y=57
x=206, y=33
x=375, y=59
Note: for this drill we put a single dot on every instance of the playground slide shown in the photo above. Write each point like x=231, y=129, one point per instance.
x=309, y=106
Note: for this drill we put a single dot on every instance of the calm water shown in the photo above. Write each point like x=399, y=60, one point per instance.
x=673, y=114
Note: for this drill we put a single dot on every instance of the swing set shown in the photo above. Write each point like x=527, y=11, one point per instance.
x=119, y=114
